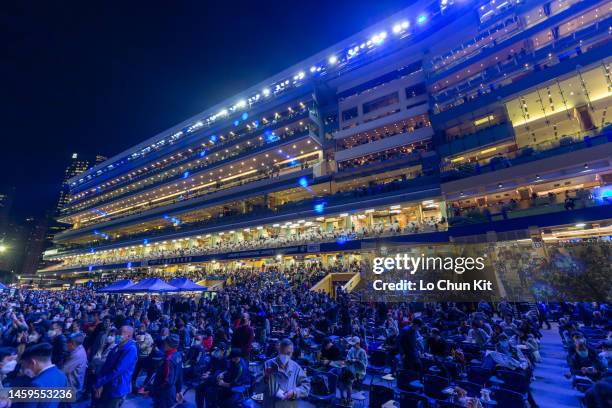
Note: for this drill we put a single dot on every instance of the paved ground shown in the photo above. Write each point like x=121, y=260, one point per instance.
x=550, y=388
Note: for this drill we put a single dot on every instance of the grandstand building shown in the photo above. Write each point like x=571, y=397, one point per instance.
x=447, y=122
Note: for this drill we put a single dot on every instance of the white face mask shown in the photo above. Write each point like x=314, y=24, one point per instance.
x=284, y=359
x=51, y=334
x=9, y=366
x=28, y=372
x=110, y=339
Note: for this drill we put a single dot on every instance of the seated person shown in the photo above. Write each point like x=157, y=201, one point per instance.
x=585, y=362
x=216, y=365
x=237, y=374
x=606, y=356
x=329, y=352
x=505, y=356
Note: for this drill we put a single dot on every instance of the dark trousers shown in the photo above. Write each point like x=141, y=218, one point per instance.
x=110, y=402
x=165, y=398
x=206, y=392
x=143, y=363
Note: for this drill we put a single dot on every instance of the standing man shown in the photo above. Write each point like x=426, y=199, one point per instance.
x=59, y=343
x=285, y=380
x=145, y=344
x=114, y=381
x=36, y=364
x=243, y=336
x=75, y=366
x=408, y=345
x=168, y=384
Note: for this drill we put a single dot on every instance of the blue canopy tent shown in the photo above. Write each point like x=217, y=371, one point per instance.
x=186, y=285
x=2, y=286
x=117, y=286
x=150, y=285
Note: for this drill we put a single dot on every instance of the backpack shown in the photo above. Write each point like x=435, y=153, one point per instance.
x=320, y=385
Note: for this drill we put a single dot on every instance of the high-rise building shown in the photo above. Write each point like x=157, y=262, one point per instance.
x=76, y=167
x=7, y=195
x=446, y=122
x=34, y=237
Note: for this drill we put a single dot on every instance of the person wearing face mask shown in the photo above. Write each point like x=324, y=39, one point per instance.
x=60, y=344
x=285, y=381
x=606, y=356
x=75, y=365
x=37, y=365
x=206, y=390
x=236, y=375
x=168, y=383
x=33, y=337
x=8, y=362
x=145, y=342
x=505, y=356
x=585, y=362
x=115, y=379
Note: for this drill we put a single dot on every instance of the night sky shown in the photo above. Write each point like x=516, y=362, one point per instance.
x=99, y=77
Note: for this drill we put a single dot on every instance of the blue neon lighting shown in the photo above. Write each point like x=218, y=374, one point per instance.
x=270, y=136
x=244, y=116
x=422, y=19
x=236, y=122
x=319, y=208
x=145, y=242
x=303, y=182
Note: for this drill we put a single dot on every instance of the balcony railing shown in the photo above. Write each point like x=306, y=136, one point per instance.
x=219, y=146
x=342, y=197
x=233, y=155
x=523, y=63
x=270, y=173
x=524, y=208
x=528, y=154
x=481, y=138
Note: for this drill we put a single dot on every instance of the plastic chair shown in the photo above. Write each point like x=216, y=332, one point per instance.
x=448, y=404
x=380, y=394
x=377, y=364
x=413, y=400
x=514, y=381
x=507, y=398
x=404, y=377
x=332, y=383
x=433, y=386
x=473, y=389
x=478, y=375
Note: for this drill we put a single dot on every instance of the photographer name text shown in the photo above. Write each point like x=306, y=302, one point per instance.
x=441, y=285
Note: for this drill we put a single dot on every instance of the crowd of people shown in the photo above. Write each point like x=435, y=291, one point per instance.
x=272, y=239
x=265, y=338
x=570, y=199
x=403, y=152
x=372, y=136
